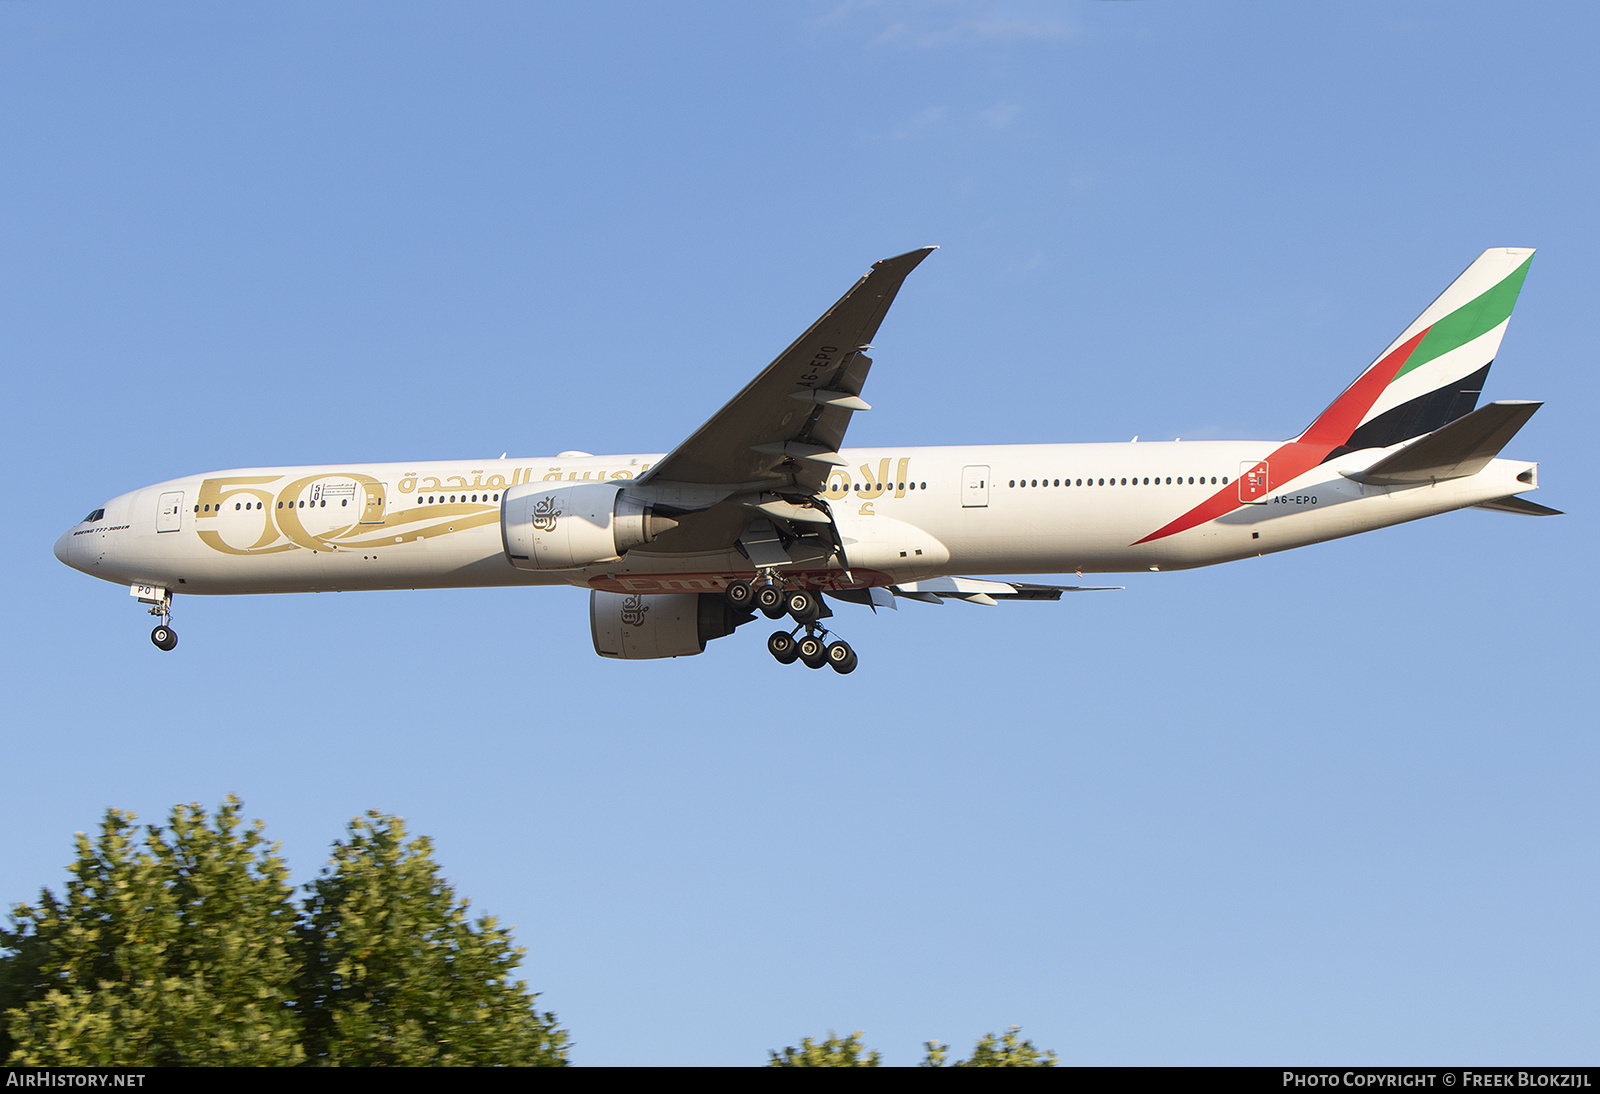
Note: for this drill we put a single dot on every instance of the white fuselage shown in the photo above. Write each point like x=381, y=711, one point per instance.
x=1012, y=509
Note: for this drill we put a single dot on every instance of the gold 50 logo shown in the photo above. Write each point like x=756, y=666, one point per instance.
x=264, y=514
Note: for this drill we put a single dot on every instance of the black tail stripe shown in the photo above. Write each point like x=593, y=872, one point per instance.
x=1421, y=415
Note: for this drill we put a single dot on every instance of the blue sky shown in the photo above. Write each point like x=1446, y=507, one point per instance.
x=1336, y=805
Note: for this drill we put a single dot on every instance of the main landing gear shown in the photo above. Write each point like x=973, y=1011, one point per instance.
x=164, y=637
x=813, y=649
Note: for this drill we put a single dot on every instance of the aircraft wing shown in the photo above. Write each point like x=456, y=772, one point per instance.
x=783, y=431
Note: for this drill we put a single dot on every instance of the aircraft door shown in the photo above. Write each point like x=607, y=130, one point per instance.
x=169, y=513
x=1253, y=483
x=372, y=510
x=975, y=487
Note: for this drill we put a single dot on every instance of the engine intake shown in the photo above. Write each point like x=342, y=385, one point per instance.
x=572, y=525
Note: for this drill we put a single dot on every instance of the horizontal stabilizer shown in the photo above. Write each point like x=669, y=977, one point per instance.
x=1464, y=447
x=977, y=591
x=1520, y=506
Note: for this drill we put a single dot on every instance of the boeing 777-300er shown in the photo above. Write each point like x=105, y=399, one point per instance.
x=762, y=509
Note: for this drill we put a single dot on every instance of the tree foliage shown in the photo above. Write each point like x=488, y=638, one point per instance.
x=834, y=1051
x=185, y=947
x=1009, y=1050
x=991, y=1051
x=171, y=950
x=395, y=975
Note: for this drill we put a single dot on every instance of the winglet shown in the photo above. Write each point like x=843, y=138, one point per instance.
x=915, y=257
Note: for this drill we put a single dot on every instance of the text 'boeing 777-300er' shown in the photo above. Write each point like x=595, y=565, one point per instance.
x=763, y=509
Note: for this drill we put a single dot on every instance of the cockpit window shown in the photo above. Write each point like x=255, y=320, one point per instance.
x=94, y=516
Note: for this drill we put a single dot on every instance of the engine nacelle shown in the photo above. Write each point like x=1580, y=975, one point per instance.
x=566, y=526
x=636, y=627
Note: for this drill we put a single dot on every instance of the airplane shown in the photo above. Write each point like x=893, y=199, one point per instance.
x=763, y=511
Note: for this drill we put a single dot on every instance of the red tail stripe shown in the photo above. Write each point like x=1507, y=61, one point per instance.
x=1331, y=429
x=1334, y=425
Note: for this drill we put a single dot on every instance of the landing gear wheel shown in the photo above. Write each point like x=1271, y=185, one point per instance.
x=842, y=658
x=813, y=654
x=739, y=595
x=804, y=606
x=164, y=637
x=783, y=647
x=769, y=598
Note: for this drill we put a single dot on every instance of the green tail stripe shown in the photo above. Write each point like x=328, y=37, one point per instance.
x=1472, y=319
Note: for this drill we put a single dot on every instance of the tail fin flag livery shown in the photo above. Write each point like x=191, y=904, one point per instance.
x=762, y=510
x=1428, y=377
x=1434, y=372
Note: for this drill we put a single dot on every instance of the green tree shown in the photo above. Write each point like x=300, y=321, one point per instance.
x=395, y=974
x=187, y=948
x=832, y=1052
x=990, y=1051
x=176, y=951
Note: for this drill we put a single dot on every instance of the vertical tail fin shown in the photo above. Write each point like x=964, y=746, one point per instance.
x=1433, y=373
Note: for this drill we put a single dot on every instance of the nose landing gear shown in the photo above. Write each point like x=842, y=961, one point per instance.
x=164, y=637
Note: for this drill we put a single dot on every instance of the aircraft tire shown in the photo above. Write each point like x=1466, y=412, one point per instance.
x=739, y=595
x=803, y=606
x=842, y=658
x=813, y=654
x=165, y=638
x=783, y=648
x=769, y=597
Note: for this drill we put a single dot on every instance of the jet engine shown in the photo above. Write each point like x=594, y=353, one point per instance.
x=566, y=526
x=636, y=627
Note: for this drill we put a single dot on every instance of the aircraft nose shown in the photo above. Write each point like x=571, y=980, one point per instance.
x=64, y=547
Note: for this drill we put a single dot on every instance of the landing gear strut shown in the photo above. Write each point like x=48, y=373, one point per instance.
x=806, y=609
x=164, y=637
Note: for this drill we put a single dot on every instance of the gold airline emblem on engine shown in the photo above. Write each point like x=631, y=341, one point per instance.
x=633, y=609
x=546, y=511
